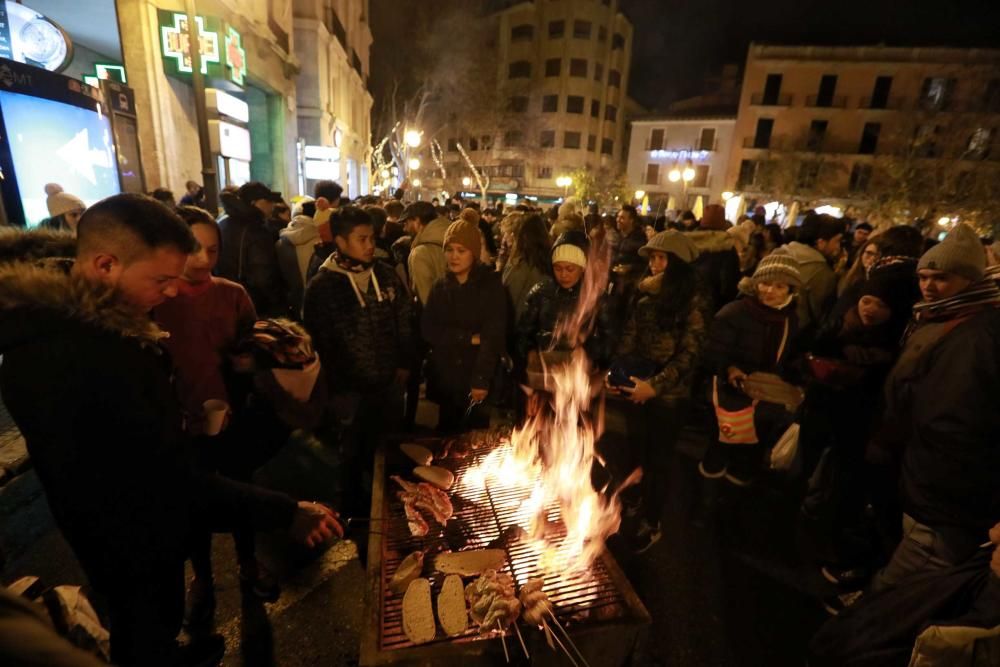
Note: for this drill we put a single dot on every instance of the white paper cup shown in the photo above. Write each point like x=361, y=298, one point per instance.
x=215, y=415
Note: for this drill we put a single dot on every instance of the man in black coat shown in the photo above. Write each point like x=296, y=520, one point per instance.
x=89, y=387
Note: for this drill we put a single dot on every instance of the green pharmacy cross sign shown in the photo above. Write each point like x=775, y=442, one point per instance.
x=222, y=52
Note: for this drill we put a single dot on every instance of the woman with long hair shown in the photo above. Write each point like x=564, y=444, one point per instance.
x=529, y=262
x=867, y=258
x=655, y=364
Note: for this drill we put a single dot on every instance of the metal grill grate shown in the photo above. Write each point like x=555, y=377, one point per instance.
x=589, y=597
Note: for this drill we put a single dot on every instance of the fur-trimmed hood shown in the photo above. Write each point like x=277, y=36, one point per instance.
x=709, y=240
x=26, y=246
x=39, y=293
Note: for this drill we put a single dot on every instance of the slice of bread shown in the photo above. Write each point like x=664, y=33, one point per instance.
x=470, y=563
x=408, y=570
x=452, y=613
x=418, y=613
x=440, y=477
x=420, y=454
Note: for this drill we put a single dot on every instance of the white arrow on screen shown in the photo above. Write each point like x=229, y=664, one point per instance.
x=82, y=158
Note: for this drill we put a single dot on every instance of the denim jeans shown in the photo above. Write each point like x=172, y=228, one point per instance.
x=922, y=549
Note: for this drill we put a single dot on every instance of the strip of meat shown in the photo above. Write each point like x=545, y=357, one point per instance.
x=439, y=499
x=409, y=487
x=423, y=504
x=414, y=520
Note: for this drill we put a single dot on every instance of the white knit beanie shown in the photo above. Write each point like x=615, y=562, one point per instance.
x=567, y=252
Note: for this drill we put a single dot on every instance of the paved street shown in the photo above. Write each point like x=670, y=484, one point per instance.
x=723, y=589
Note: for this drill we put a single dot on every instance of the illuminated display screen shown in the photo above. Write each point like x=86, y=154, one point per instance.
x=53, y=142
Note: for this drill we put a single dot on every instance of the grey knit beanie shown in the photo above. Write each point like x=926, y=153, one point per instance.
x=671, y=241
x=960, y=253
x=779, y=267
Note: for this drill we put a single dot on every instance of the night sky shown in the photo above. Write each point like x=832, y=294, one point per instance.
x=680, y=42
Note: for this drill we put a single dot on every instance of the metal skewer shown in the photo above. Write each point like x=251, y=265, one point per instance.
x=569, y=639
x=503, y=641
x=520, y=638
x=561, y=645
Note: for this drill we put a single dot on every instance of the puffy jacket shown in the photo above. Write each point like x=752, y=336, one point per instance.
x=453, y=313
x=248, y=257
x=717, y=264
x=519, y=278
x=819, y=285
x=295, y=247
x=362, y=332
x=545, y=304
x=426, y=260
x=675, y=349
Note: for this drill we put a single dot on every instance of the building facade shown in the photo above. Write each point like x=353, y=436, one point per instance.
x=846, y=122
x=562, y=74
x=659, y=146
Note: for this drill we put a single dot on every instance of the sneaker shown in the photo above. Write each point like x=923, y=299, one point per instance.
x=199, y=616
x=257, y=579
x=646, y=537
x=201, y=652
x=835, y=604
x=847, y=578
x=713, y=465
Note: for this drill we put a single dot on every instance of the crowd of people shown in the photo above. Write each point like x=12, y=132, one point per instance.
x=874, y=350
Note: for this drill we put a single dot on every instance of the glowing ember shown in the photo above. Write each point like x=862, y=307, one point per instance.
x=553, y=453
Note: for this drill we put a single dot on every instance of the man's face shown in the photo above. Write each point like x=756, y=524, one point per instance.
x=201, y=262
x=861, y=236
x=625, y=222
x=359, y=244
x=830, y=247
x=147, y=281
x=410, y=226
x=266, y=206
x=938, y=285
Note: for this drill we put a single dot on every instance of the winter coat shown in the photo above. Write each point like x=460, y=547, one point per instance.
x=627, y=253
x=426, y=260
x=675, y=349
x=519, y=278
x=88, y=385
x=362, y=332
x=718, y=266
x=944, y=387
x=819, y=286
x=748, y=335
x=453, y=313
x=294, y=249
x=545, y=304
x=247, y=257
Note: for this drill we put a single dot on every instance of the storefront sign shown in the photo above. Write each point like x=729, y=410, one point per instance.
x=222, y=52
x=322, y=162
x=230, y=140
x=695, y=156
x=33, y=39
x=228, y=105
x=105, y=71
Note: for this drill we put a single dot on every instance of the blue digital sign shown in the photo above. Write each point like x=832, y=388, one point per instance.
x=53, y=142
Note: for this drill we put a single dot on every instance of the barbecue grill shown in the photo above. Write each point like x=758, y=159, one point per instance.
x=597, y=608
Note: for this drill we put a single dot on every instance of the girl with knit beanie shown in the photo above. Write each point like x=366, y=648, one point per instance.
x=750, y=335
x=465, y=324
x=664, y=331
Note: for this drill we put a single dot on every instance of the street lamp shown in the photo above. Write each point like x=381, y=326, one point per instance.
x=674, y=175
x=639, y=194
x=945, y=221
x=564, y=182
x=414, y=164
x=726, y=196
x=416, y=182
x=688, y=173
x=466, y=181
x=412, y=138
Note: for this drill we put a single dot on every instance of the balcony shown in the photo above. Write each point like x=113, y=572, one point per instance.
x=826, y=145
x=818, y=101
x=775, y=143
x=335, y=27
x=889, y=104
x=764, y=100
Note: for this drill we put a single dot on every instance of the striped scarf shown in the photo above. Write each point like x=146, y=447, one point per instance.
x=979, y=296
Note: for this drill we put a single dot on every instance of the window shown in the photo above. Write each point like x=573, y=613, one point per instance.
x=935, y=93
x=557, y=29
x=571, y=139
x=550, y=103
x=595, y=108
x=869, y=138
x=979, y=143
x=611, y=113
x=880, y=93
x=700, y=176
x=607, y=147
x=473, y=143
x=544, y=172
x=615, y=78
x=656, y=139
x=817, y=133
x=522, y=33
x=617, y=41
x=602, y=34
x=518, y=104
x=598, y=71
x=591, y=143
x=992, y=98
x=808, y=173
x=486, y=141
x=772, y=89
x=827, y=87
x=548, y=139
x=861, y=174
x=925, y=140
x=581, y=29
x=553, y=66
x=706, y=142
x=513, y=138
x=652, y=174
x=762, y=138
x=574, y=104
x=748, y=174
x=578, y=67
x=520, y=69
x=452, y=144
